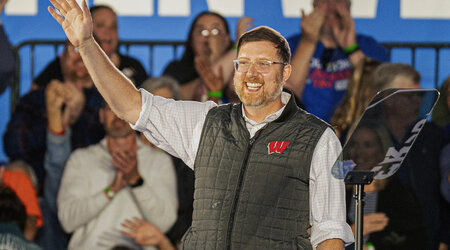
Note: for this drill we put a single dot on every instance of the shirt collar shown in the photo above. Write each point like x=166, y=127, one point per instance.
x=272, y=117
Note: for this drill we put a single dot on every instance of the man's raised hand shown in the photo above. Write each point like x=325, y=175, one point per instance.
x=344, y=30
x=77, y=23
x=312, y=23
x=243, y=24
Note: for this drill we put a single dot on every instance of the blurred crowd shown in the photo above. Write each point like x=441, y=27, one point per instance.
x=79, y=177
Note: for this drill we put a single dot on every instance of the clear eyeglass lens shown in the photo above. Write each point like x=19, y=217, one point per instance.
x=260, y=66
x=213, y=32
x=204, y=32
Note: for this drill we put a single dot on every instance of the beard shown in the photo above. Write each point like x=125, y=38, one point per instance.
x=118, y=129
x=264, y=96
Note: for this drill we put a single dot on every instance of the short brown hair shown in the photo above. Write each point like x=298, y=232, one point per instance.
x=264, y=33
x=386, y=73
x=348, y=2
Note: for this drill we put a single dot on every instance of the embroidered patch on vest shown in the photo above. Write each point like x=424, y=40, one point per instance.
x=277, y=146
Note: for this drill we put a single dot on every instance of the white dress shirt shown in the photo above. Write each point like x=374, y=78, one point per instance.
x=176, y=127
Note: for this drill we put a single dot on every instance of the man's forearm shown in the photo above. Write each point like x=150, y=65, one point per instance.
x=300, y=66
x=119, y=92
x=165, y=244
x=331, y=244
x=226, y=63
x=188, y=89
x=56, y=155
x=356, y=57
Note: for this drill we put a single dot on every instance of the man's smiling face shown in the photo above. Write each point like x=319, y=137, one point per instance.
x=256, y=89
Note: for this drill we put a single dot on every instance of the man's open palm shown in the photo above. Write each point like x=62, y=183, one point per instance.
x=77, y=23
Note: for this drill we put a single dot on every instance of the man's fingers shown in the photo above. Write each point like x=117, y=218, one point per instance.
x=129, y=224
x=121, y=156
x=86, y=11
x=127, y=234
x=55, y=15
x=344, y=14
x=73, y=4
x=377, y=218
x=320, y=14
x=302, y=13
x=139, y=221
x=119, y=176
x=245, y=23
x=64, y=7
x=58, y=6
x=120, y=160
x=120, y=164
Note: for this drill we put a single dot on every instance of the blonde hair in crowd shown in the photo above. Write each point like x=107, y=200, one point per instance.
x=359, y=94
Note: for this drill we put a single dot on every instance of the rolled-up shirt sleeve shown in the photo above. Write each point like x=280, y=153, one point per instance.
x=174, y=126
x=327, y=194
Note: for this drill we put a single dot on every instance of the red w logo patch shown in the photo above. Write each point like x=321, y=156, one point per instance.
x=277, y=146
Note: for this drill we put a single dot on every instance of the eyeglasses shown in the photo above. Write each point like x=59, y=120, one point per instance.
x=206, y=33
x=262, y=66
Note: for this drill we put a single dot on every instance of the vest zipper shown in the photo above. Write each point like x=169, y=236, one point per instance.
x=238, y=192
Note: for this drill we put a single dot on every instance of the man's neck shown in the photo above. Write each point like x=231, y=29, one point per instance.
x=258, y=114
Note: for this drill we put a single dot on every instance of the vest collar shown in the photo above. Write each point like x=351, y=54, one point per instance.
x=289, y=109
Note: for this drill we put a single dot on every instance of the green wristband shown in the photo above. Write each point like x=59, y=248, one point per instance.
x=217, y=94
x=351, y=48
x=234, y=48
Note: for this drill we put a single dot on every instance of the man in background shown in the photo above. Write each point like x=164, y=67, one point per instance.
x=325, y=53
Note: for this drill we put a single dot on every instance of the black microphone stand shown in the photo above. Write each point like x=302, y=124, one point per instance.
x=359, y=178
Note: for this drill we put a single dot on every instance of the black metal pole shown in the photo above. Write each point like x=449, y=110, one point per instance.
x=359, y=178
x=359, y=213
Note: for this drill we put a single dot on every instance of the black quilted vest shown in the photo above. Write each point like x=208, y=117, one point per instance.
x=249, y=193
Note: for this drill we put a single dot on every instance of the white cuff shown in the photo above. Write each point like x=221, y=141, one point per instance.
x=331, y=230
x=147, y=100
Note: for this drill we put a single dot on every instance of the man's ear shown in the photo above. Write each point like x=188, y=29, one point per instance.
x=287, y=69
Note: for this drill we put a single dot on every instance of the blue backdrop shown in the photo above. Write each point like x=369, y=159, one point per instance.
x=385, y=20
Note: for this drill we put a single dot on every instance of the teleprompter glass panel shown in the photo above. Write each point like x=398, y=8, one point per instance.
x=386, y=132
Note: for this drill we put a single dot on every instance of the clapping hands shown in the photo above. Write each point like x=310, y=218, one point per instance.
x=58, y=94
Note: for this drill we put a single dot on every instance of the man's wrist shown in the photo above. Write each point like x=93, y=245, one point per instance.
x=351, y=49
x=86, y=43
x=55, y=125
x=61, y=131
x=307, y=45
x=305, y=39
x=109, y=193
x=165, y=243
x=217, y=94
x=137, y=183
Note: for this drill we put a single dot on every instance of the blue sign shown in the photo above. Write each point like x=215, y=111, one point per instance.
x=385, y=20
